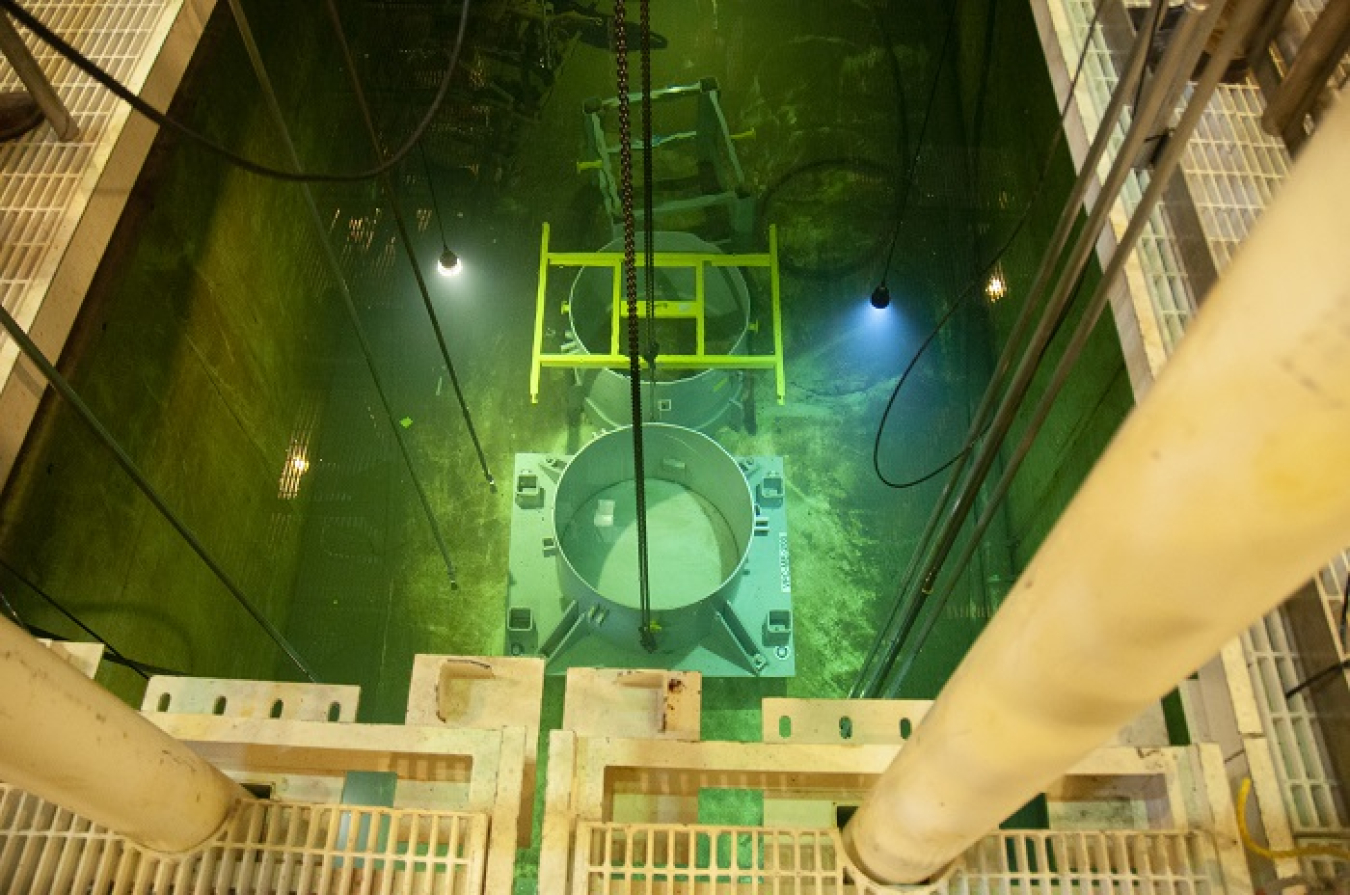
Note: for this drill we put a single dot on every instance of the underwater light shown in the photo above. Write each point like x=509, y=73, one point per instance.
x=996, y=288
x=449, y=265
x=881, y=297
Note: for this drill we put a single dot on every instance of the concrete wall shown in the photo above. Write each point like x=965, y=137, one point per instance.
x=199, y=347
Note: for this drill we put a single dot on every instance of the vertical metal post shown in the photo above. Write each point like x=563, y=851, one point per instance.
x=28, y=70
x=539, y=310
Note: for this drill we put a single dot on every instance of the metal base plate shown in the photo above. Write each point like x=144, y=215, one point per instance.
x=752, y=637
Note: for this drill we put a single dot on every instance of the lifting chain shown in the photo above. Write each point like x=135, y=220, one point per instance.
x=646, y=629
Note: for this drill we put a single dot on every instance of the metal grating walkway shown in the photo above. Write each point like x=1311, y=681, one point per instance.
x=59, y=200
x=652, y=858
x=1314, y=805
x=1232, y=168
x=268, y=848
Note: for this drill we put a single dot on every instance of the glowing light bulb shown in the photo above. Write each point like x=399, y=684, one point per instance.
x=449, y=264
x=996, y=288
x=881, y=297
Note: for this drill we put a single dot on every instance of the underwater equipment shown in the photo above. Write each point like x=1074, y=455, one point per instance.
x=707, y=150
x=400, y=221
x=721, y=584
x=1054, y=295
x=705, y=582
x=448, y=265
x=596, y=29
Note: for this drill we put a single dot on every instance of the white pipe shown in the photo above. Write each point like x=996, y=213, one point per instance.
x=69, y=741
x=1224, y=490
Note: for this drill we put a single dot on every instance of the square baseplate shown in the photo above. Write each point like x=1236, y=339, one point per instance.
x=752, y=636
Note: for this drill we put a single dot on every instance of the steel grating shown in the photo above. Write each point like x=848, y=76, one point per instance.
x=1163, y=276
x=268, y=847
x=47, y=183
x=1232, y=168
x=1314, y=801
x=660, y=858
x=1312, y=794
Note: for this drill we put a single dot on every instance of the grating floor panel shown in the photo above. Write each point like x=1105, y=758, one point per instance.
x=46, y=184
x=1232, y=169
x=268, y=848
x=1164, y=277
x=1314, y=799
x=621, y=858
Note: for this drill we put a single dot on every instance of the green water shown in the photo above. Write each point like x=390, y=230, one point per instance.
x=214, y=347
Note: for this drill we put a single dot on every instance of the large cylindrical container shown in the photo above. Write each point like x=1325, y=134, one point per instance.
x=700, y=522
x=697, y=399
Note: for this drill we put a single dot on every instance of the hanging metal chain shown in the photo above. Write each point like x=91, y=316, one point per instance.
x=648, y=216
x=646, y=630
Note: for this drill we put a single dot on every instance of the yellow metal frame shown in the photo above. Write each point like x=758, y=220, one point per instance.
x=686, y=310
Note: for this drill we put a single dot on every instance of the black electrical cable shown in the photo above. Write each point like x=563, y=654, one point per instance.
x=435, y=205
x=903, y=204
x=145, y=670
x=124, y=93
x=47, y=598
x=862, y=168
x=1317, y=678
x=972, y=288
x=1330, y=670
x=342, y=288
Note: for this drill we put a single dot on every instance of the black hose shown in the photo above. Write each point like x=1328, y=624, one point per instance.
x=113, y=653
x=974, y=286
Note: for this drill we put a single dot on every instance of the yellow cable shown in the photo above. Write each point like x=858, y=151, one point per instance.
x=1305, y=851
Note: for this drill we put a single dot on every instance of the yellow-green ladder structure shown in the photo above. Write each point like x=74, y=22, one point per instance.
x=693, y=309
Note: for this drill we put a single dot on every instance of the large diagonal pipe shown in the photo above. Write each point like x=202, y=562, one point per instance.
x=69, y=741
x=1224, y=490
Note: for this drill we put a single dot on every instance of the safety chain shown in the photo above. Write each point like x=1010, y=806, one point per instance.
x=646, y=631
